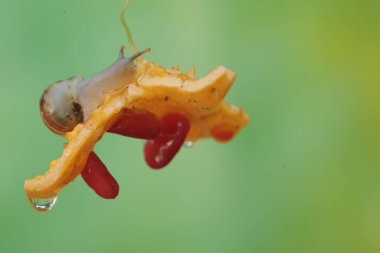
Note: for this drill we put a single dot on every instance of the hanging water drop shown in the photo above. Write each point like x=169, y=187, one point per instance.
x=188, y=144
x=43, y=205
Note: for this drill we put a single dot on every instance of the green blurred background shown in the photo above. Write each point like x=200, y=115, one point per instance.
x=304, y=176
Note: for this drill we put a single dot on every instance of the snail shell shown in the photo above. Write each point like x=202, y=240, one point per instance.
x=59, y=106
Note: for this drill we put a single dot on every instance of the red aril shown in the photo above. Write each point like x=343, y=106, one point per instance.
x=160, y=151
x=97, y=176
x=136, y=123
x=222, y=134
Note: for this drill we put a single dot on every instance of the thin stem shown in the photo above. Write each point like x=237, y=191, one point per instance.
x=126, y=28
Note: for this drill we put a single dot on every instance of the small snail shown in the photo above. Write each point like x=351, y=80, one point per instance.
x=66, y=103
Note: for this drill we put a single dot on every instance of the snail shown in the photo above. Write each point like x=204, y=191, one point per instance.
x=66, y=103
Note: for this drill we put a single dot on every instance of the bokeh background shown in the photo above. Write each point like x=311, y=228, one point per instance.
x=304, y=176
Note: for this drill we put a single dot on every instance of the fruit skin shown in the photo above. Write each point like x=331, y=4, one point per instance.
x=136, y=123
x=161, y=150
x=96, y=175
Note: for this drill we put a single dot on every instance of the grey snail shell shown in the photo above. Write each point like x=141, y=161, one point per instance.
x=59, y=105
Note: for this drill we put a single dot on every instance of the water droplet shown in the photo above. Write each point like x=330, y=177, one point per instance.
x=188, y=144
x=43, y=205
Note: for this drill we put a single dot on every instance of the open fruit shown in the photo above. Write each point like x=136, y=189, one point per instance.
x=159, y=91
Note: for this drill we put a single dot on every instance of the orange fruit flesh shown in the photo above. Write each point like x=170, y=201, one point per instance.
x=157, y=90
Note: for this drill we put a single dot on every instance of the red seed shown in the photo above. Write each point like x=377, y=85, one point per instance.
x=222, y=134
x=96, y=175
x=136, y=123
x=161, y=150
